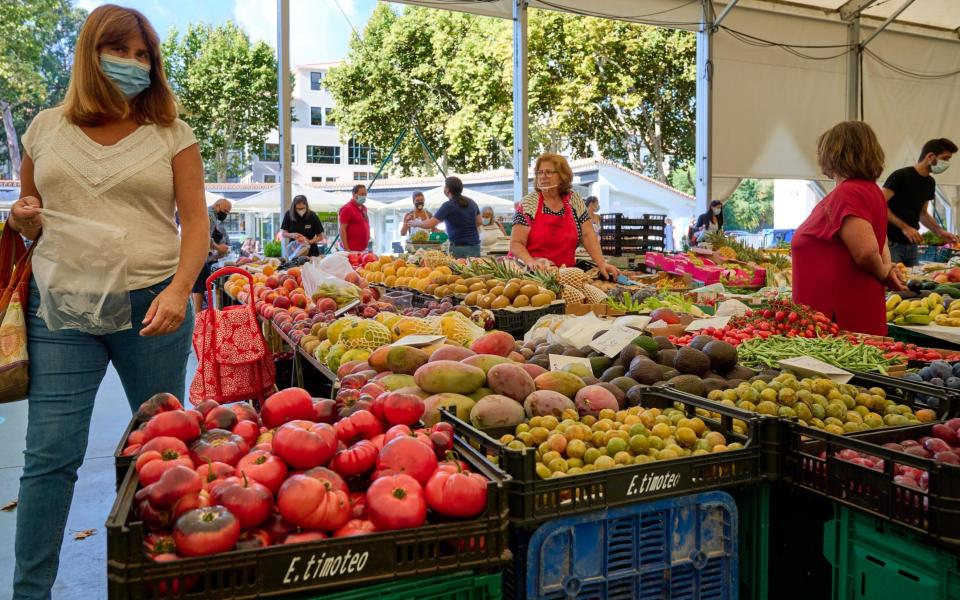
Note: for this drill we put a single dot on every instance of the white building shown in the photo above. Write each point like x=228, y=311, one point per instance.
x=318, y=153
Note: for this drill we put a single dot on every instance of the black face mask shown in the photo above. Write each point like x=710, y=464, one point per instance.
x=418, y=205
x=221, y=215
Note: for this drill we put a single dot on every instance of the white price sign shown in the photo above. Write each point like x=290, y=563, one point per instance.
x=419, y=340
x=701, y=324
x=811, y=367
x=559, y=361
x=614, y=340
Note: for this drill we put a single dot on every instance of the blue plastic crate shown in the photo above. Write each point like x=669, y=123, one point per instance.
x=682, y=547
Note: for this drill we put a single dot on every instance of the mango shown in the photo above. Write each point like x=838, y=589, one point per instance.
x=533, y=370
x=592, y=399
x=378, y=359
x=451, y=352
x=449, y=376
x=510, y=380
x=497, y=411
x=500, y=343
x=406, y=359
x=480, y=393
x=559, y=381
x=545, y=402
x=456, y=403
x=356, y=354
x=517, y=357
x=414, y=390
x=485, y=361
x=395, y=381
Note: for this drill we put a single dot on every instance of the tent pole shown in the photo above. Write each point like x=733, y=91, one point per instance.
x=704, y=115
x=521, y=132
x=853, y=70
x=283, y=88
x=886, y=23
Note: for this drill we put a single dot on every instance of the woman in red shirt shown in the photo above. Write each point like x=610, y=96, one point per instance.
x=841, y=261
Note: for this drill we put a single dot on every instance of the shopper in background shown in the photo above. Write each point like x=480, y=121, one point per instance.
x=710, y=221
x=219, y=247
x=549, y=225
x=417, y=214
x=593, y=205
x=841, y=261
x=354, y=222
x=491, y=230
x=908, y=192
x=301, y=229
x=461, y=217
x=249, y=247
x=113, y=152
x=668, y=235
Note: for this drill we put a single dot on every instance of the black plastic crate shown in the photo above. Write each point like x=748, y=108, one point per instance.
x=611, y=221
x=813, y=464
x=519, y=322
x=323, y=565
x=944, y=401
x=122, y=463
x=533, y=500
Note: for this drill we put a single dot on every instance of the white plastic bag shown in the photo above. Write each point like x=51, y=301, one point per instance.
x=335, y=264
x=81, y=271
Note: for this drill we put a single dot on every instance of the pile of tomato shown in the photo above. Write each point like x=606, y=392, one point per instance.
x=220, y=477
x=780, y=318
x=894, y=349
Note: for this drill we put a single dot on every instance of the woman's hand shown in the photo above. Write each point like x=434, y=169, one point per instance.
x=166, y=312
x=893, y=280
x=540, y=263
x=608, y=271
x=26, y=216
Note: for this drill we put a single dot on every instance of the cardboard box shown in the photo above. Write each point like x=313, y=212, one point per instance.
x=601, y=310
x=669, y=330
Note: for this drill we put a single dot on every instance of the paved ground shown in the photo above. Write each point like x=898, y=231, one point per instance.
x=82, y=562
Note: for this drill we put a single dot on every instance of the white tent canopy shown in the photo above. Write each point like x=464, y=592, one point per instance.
x=435, y=197
x=268, y=201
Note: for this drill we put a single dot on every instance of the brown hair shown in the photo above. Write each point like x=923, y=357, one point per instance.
x=850, y=150
x=91, y=97
x=563, y=171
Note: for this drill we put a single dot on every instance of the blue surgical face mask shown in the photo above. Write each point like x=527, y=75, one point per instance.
x=361, y=199
x=131, y=76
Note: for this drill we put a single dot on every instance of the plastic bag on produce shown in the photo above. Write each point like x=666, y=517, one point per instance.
x=336, y=264
x=81, y=271
x=731, y=308
x=578, y=331
x=319, y=282
x=543, y=326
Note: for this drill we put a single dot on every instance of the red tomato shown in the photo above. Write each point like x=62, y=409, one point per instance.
x=219, y=445
x=249, y=501
x=402, y=409
x=152, y=464
x=361, y=424
x=175, y=423
x=358, y=459
x=306, y=502
x=291, y=404
x=408, y=455
x=206, y=531
x=264, y=468
x=395, y=432
x=164, y=443
x=303, y=537
x=206, y=406
x=303, y=444
x=212, y=472
x=324, y=411
x=396, y=502
x=255, y=538
x=156, y=404
x=136, y=437
x=173, y=484
x=131, y=450
x=244, y=411
x=248, y=430
x=329, y=478
x=456, y=494
x=358, y=505
x=220, y=417
x=355, y=527
x=277, y=527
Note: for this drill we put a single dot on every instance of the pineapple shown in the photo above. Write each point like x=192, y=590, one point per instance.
x=572, y=295
x=593, y=294
x=572, y=276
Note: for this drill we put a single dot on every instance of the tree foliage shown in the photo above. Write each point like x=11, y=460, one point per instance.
x=622, y=90
x=227, y=87
x=37, y=38
x=749, y=207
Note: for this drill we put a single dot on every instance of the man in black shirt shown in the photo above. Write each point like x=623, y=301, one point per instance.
x=908, y=191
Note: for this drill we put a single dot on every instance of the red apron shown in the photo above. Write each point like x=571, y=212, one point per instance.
x=554, y=237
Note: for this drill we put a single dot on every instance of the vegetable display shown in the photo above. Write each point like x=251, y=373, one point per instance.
x=835, y=351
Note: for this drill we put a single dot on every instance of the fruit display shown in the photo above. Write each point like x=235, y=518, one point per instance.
x=217, y=478
x=931, y=309
x=905, y=351
x=939, y=373
x=839, y=352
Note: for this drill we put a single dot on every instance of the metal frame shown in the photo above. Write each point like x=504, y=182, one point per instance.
x=521, y=129
x=285, y=92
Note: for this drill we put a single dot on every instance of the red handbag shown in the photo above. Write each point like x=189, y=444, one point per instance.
x=235, y=362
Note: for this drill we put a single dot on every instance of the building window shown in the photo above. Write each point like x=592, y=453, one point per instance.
x=316, y=80
x=271, y=153
x=316, y=116
x=328, y=118
x=316, y=179
x=326, y=155
x=331, y=178
x=361, y=155
x=361, y=176
x=269, y=178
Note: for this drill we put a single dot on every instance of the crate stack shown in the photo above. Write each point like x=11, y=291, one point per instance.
x=624, y=236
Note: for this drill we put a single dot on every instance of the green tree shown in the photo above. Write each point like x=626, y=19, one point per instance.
x=626, y=88
x=227, y=87
x=37, y=38
x=749, y=207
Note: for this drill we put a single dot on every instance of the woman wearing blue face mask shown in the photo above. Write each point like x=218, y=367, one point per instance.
x=491, y=230
x=114, y=152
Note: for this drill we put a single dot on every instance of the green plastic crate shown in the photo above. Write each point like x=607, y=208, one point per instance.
x=456, y=586
x=753, y=505
x=875, y=560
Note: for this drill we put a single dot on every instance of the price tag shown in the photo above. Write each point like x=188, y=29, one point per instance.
x=419, y=340
x=809, y=366
x=345, y=308
x=715, y=322
x=614, y=340
x=559, y=361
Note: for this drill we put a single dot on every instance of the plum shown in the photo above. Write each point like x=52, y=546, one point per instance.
x=947, y=457
x=926, y=373
x=917, y=451
x=893, y=446
x=848, y=454
x=907, y=481
x=907, y=443
x=913, y=377
x=935, y=445
x=945, y=433
x=953, y=383
x=956, y=369
x=936, y=381
x=954, y=423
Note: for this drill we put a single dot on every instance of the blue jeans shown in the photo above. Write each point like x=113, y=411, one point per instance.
x=66, y=368
x=908, y=254
x=464, y=251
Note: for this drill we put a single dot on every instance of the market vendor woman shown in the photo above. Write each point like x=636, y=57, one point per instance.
x=548, y=227
x=841, y=261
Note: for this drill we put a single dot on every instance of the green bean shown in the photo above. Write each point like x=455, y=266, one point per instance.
x=835, y=351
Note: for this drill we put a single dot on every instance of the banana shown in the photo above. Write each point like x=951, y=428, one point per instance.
x=936, y=310
x=902, y=308
x=954, y=314
x=941, y=319
x=919, y=311
x=889, y=316
x=918, y=319
x=893, y=301
x=955, y=305
x=914, y=304
x=934, y=298
x=899, y=321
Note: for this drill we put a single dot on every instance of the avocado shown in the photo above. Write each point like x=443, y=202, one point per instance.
x=612, y=373
x=739, y=372
x=600, y=364
x=664, y=343
x=699, y=341
x=665, y=357
x=635, y=395
x=690, y=384
x=691, y=361
x=631, y=351
x=649, y=345
x=723, y=356
x=625, y=383
x=710, y=384
x=645, y=371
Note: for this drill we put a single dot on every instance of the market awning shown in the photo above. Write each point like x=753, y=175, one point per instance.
x=268, y=201
x=435, y=197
